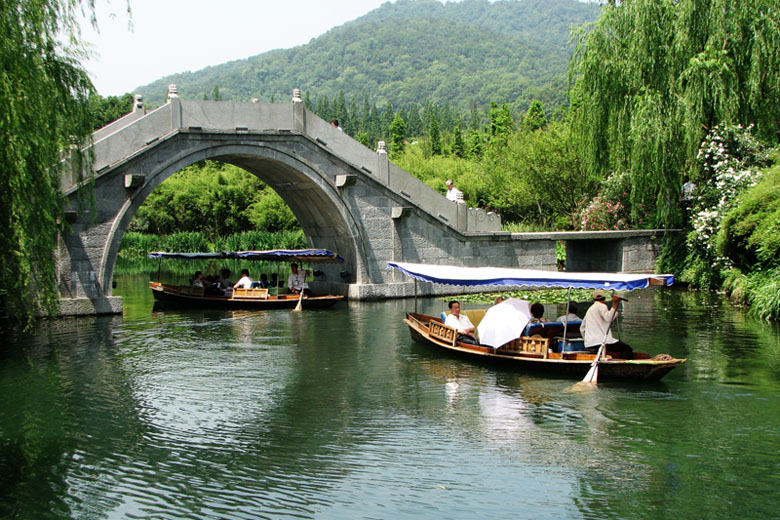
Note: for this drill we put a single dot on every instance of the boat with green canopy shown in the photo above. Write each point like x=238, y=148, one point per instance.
x=255, y=297
x=551, y=347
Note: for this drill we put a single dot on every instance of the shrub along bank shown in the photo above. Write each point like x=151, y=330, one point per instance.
x=734, y=241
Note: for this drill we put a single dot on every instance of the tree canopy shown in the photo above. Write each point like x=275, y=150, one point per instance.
x=651, y=77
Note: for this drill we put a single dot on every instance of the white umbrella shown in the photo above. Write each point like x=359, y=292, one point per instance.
x=504, y=322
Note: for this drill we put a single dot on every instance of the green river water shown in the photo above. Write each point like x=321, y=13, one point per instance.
x=338, y=414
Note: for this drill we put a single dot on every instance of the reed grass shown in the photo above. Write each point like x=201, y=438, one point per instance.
x=759, y=290
x=139, y=245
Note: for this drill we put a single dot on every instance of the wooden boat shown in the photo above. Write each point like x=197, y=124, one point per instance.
x=253, y=298
x=550, y=349
x=257, y=298
x=542, y=354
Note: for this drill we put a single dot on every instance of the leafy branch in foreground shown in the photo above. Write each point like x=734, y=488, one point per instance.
x=45, y=96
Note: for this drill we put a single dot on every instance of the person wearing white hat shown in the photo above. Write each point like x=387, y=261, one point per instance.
x=596, y=325
x=452, y=191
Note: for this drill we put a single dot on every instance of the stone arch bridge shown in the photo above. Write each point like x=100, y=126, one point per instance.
x=346, y=197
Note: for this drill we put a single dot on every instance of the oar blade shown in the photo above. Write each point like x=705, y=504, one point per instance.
x=593, y=374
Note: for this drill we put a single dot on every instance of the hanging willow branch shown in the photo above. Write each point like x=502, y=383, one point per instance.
x=44, y=93
x=651, y=77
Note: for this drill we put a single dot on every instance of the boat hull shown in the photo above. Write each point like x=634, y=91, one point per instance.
x=570, y=364
x=178, y=296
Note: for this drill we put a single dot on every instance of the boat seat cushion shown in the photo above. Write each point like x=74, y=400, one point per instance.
x=475, y=315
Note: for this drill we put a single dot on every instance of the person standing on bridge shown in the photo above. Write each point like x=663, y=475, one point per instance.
x=453, y=193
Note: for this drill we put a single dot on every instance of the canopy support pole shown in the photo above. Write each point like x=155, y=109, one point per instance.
x=159, y=268
x=565, y=323
x=415, y=295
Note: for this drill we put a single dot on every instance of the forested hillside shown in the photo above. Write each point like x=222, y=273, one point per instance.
x=410, y=51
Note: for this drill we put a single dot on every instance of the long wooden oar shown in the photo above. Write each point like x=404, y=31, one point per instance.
x=299, y=306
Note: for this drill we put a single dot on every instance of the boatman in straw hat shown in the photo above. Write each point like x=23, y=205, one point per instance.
x=596, y=325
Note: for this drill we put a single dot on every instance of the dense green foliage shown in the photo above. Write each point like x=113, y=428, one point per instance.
x=108, y=109
x=652, y=77
x=45, y=111
x=216, y=200
x=517, y=173
x=409, y=51
x=749, y=235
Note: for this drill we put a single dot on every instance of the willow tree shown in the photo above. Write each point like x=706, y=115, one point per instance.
x=650, y=77
x=44, y=93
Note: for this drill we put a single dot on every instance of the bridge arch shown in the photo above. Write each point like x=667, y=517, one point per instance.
x=322, y=214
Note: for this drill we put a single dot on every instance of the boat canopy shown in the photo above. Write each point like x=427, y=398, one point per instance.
x=290, y=255
x=187, y=256
x=505, y=276
x=271, y=255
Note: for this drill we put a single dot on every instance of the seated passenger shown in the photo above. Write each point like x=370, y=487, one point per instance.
x=197, y=280
x=461, y=323
x=275, y=280
x=571, y=316
x=245, y=282
x=537, y=313
x=264, y=283
x=212, y=285
x=224, y=280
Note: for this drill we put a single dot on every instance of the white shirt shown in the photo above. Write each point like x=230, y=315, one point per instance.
x=452, y=194
x=245, y=283
x=596, y=323
x=297, y=280
x=569, y=317
x=459, y=323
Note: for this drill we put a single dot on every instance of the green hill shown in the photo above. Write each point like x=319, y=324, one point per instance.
x=411, y=51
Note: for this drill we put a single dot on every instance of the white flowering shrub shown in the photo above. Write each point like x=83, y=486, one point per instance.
x=729, y=158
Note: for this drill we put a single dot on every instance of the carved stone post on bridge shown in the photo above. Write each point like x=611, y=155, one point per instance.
x=175, y=102
x=382, y=163
x=299, y=113
x=138, y=103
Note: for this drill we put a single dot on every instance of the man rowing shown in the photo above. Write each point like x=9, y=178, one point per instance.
x=596, y=327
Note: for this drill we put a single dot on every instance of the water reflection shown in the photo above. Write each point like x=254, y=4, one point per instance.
x=334, y=414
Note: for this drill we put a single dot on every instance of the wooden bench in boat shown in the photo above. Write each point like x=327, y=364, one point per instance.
x=535, y=346
x=442, y=332
x=255, y=293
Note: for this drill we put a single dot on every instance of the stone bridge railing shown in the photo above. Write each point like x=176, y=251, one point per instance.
x=139, y=130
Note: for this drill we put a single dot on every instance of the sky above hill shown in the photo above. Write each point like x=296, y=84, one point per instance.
x=168, y=37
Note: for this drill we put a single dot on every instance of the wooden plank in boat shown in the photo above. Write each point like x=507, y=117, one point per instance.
x=256, y=293
x=443, y=333
x=529, y=345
